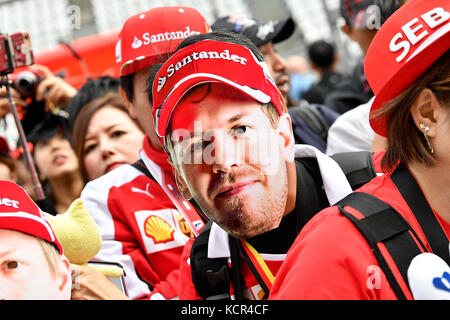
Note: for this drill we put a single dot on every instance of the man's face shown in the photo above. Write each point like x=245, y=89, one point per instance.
x=277, y=67
x=231, y=160
x=25, y=273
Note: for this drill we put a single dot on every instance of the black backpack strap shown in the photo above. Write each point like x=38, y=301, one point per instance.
x=311, y=197
x=416, y=200
x=140, y=165
x=211, y=277
x=381, y=223
x=357, y=167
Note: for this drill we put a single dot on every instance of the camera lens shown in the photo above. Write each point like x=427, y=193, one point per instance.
x=26, y=83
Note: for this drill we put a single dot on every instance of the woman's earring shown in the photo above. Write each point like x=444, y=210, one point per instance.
x=425, y=134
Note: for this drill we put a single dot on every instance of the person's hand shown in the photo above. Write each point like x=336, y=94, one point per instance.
x=4, y=101
x=54, y=90
x=90, y=284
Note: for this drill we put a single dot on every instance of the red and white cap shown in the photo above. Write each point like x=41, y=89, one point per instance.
x=211, y=61
x=18, y=212
x=406, y=45
x=149, y=37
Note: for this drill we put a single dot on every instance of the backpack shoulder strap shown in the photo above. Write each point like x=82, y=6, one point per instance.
x=211, y=277
x=140, y=165
x=414, y=197
x=382, y=224
x=357, y=166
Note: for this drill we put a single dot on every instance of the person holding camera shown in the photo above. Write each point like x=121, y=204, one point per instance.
x=36, y=91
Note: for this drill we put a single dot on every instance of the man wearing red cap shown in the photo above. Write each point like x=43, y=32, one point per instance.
x=390, y=240
x=141, y=216
x=32, y=264
x=229, y=139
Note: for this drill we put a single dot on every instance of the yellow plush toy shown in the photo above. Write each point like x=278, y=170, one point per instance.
x=80, y=238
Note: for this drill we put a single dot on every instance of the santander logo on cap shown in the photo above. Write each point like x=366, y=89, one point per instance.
x=225, y=55
x=136, y=43
x=148, y=38
x=9, y=203
x=413, y=32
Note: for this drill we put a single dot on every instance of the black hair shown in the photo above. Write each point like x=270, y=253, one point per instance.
x=93, y=88
x=150, y=77
x=321, y=53
x=387, y=8
x=126, y=83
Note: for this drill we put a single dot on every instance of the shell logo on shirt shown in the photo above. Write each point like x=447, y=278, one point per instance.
x=158, y=229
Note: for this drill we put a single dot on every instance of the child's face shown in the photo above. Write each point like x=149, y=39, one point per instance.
x=25, y=273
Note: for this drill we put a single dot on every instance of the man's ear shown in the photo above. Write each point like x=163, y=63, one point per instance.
x=284, y=130
x=181, y=183
x=426, y=110
x=128, y=103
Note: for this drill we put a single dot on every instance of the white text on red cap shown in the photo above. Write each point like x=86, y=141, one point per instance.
x=9, y=203
x=433, y=18
x=196, y=56
x=167, y=36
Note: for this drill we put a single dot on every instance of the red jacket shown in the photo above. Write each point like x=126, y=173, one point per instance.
x=140, y=226
x=330, y=259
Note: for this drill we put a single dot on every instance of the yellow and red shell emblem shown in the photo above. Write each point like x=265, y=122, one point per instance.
x=158, y=229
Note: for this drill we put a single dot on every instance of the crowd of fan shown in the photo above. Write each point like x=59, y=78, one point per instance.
x=106, y=142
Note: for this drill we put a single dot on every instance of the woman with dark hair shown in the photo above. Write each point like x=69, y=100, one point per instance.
x=390, y=239
x=56, y=163
x=105, y=136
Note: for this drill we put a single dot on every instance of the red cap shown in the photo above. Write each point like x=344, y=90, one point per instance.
x=406, y=45
x=148, y=37
x=211, y=61
x=18, y=212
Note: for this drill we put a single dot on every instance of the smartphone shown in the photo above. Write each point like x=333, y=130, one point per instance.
x=15, y=52
x=118, y=282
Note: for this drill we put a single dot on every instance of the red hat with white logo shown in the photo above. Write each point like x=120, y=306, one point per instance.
x=406, y=45
x=19, y=213
x=211, y=61
x=149, y=37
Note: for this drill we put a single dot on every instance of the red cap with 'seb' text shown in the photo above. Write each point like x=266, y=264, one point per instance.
x=19, y=213
x=406, y=45
x=149, y=37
